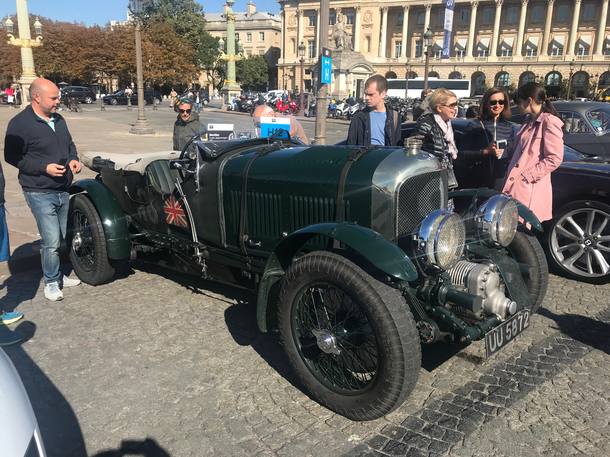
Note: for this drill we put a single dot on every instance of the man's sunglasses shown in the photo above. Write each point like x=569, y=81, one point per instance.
x=185, y=111
x=497, y=102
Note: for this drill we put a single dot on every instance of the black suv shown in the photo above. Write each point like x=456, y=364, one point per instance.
x=82, y=93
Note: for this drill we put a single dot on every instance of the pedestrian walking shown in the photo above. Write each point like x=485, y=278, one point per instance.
x=39, y=144
x=538, y=151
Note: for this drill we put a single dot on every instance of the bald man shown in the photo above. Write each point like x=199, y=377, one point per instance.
x=39, y=144
x=296, y=129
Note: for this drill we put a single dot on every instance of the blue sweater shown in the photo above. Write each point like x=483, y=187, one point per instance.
x=30, y=145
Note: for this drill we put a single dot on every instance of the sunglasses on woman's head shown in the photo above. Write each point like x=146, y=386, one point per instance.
x=185, y=111
x=496, y=102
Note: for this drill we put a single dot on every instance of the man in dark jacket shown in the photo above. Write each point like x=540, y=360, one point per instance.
x=186, y=125
x=39, y=144
x=377, y=124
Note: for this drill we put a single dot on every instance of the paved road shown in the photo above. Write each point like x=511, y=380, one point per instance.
x=157, y=362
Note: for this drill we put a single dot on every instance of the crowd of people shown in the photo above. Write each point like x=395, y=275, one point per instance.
x=518, y=159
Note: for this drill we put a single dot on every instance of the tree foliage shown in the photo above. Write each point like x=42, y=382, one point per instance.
x=252, y=73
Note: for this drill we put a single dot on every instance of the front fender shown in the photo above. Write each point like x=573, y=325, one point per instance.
x=113, y=218
x=524, y=212
x=381, y=253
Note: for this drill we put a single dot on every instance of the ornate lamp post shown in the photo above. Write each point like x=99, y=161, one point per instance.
x=407, y=68
x=569, y=94
x=302, y=61
x=26, y=43
x=141, y=126
x=230, y=87
x=427, y=45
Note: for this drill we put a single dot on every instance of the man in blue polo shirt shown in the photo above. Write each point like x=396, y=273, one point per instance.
x=39, y=144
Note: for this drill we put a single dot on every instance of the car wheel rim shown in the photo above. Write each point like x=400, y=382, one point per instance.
x=82, y=243
x=335, y=339
x=580, y=242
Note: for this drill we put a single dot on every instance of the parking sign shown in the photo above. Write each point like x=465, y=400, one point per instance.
x=326, y=66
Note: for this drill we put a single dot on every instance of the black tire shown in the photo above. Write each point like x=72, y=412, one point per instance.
x=87, y=243
x=525, y=248
x=114, y=101
x=88, y=100
x=580, y=253
x=368, y=322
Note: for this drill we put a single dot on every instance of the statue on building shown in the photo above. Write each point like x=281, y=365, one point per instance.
x=340, y=36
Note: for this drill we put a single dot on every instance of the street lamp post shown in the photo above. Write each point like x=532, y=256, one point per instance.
x=427, y=44
x=141, y=126
x=301, y=95
x=407, y=67
x=230, y=87
x=26, y=43
x=570, y=80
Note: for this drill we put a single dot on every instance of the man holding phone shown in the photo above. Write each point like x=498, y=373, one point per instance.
x=39, y=144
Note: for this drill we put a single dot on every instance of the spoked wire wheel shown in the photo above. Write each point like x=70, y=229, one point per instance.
x=580, y=242
x=335, y=338
x=82, y=246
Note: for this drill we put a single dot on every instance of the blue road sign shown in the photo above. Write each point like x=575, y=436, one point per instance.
x=326, y=67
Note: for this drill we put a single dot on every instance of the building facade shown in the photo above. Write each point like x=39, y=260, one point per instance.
x=258, y=33
x=494, y=42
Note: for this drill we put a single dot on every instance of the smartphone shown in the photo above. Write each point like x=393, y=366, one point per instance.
x=501, y=145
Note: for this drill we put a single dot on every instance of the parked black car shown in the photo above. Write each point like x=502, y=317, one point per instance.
x=586, y=126
x=81, y=93
x=119, y=97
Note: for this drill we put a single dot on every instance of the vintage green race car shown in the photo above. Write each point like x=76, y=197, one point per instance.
x=351, y=251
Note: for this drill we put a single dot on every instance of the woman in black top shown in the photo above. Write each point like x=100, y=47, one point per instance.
x=486, y=146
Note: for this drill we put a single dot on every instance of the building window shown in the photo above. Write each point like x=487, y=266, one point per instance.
x=419, y=48
x=421, y=18
x=503, y=79
x=261, y=36
x=459, y=53
x=512, y=15
x=563, y=13
x=531, y=51
x=249, y=37
x=488, y=15
x=582, y=50
x=311, y=49
x=482, y=51
x=261, y=52
x=397, y=48
x=349, y=18
x=311, y=19
x=556, y=50
x=465, y=15
x=506, y=50
x=332, y=17
x=588, y=12
x=437, y=52
x=538, y=14
x=399, y=19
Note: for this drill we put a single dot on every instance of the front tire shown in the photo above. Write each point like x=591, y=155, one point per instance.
x=526, y=249
x=88, y=100
x=577, y=241
x=350, y=339
x=114, y=101
x=87, y=243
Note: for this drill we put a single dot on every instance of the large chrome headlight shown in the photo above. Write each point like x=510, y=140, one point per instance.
x=497, y=219
x=441, y=238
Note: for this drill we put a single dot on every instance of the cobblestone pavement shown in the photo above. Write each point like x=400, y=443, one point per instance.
x=159, y=361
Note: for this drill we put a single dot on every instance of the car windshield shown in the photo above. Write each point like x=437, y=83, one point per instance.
x=599, y=118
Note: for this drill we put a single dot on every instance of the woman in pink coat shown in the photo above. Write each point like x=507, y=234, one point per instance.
x=538, y=151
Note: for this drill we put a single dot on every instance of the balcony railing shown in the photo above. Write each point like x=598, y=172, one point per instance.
x=531, y=58
x=557, y=57
x=505, y=58
x=481, y=58
x=583, y=57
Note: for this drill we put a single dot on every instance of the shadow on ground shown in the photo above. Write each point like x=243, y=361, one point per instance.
x=146, y=448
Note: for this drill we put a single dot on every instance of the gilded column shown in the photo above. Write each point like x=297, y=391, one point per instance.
x=405, y=31
x=521, y=32
x=473, y=22
x=384, y=30
x=357, y=26
x=494, y=39
x=574, y=29
x=601, y=30
x=547, y=28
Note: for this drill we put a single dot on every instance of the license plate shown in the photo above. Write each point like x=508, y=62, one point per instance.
x=503, y=334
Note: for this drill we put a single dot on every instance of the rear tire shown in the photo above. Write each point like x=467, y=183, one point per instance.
x=350, y=339
x=87, y=243
x=114, y=101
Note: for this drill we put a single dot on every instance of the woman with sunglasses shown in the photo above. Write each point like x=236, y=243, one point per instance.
x=486, y=147
x=436, y=131
x=538, y=152
x=186, y=126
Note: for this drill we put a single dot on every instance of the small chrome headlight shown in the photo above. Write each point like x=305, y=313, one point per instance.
x=441, y=238
x=497, y=219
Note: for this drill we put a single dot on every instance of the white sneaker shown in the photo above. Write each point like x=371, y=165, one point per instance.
x=69, y=282
x=52, y=292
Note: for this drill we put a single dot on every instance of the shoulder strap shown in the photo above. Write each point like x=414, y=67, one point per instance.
x=484, y=131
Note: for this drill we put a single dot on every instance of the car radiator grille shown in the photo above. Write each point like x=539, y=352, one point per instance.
x=416, y=198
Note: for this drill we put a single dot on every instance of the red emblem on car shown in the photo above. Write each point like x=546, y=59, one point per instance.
x=174, y=212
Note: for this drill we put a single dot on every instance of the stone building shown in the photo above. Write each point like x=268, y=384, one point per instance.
x=494, y=42
x=257, y=31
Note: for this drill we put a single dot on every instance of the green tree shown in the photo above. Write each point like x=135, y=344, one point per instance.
x=252, y=73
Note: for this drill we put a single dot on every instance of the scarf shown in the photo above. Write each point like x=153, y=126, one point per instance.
x=448, y=131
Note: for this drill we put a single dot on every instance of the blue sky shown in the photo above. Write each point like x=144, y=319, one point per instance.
x=100, y=12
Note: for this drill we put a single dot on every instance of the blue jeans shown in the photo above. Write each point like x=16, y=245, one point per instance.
x=50, y=209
